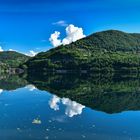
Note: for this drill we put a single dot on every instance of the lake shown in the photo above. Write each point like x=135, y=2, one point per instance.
x=70, y=107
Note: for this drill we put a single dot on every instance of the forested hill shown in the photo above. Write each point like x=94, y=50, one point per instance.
x=108, y=50
x=12, y=58
x=10, y=62
x=112, y=40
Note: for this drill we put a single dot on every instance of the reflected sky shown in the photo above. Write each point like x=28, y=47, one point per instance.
x=35, y=114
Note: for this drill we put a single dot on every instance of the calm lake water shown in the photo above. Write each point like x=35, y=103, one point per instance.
x=69, y=108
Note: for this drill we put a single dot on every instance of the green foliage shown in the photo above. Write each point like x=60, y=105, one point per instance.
x=3, y=68
x=112, y=40
x=12, y=59
x=104, y=51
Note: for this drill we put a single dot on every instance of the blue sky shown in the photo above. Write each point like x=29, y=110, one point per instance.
x=27, y=24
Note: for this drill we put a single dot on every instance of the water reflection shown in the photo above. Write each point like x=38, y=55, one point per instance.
x=72, y=108
x=107, y=93
x=31, y=87
x=1, y=90
x=12, y=82
x=54, y=103
x=36, y=121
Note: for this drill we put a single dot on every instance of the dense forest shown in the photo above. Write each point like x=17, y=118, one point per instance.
x=11, y=60
x=105, y=51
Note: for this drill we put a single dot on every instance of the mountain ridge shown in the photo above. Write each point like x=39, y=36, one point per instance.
x=102, y=51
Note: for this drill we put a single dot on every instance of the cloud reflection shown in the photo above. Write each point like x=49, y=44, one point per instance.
x=72, y=108
x=54, y=103
x=31, y=87
x=1, y=90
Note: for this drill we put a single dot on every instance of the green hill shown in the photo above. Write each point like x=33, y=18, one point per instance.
x=12, y=58
x=112, y=40
x=103, y=51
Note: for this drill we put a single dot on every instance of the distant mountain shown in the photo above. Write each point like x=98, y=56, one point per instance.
x=103, y=51
x=11, y=59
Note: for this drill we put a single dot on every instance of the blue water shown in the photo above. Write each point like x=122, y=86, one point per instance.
x=31, y=114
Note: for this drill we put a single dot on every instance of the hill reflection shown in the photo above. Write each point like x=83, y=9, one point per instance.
x=107, y=93
x=12, y=82
x=72, y=108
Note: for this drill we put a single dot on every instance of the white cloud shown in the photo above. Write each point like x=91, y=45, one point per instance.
x=31, y=87
x=31, y=53
x=72, y=108
x=60, y=23
x=54, y=39
x=1, y=49
x=12, y=50
x=54, y=103
x=72, y=34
